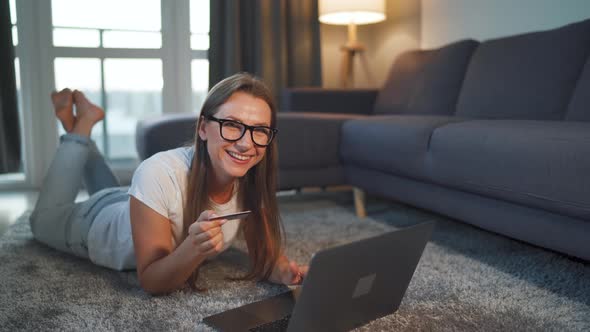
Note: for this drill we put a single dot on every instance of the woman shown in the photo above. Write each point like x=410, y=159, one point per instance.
x=161, y=225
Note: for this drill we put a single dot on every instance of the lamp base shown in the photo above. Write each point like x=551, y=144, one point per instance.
x=349, y=50
x=353, y=47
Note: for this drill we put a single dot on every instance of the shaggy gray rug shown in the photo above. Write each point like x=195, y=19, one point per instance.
x=467, y=279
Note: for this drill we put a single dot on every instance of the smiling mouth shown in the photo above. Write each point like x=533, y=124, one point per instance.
x=238, y=156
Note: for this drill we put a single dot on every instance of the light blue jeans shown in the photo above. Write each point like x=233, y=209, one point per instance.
x=57, y=220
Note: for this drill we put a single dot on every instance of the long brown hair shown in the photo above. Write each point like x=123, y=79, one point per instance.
x=262, y=230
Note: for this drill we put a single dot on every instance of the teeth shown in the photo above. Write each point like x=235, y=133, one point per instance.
x=238, y=156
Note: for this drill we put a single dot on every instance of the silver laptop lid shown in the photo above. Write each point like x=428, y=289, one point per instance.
x=352, y=284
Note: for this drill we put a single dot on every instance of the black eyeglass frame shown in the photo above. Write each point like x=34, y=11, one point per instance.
x=273, y=131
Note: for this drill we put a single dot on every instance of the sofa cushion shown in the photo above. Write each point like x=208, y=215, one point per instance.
x=579, y=108
x=529, y=76
x=542, y=164
x=426, y=81
x=395, y=144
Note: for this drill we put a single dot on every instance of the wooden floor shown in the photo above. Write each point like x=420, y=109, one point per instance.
x=12, y=206
x=14, y=203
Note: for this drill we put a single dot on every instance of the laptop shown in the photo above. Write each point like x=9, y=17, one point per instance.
x=346, y=287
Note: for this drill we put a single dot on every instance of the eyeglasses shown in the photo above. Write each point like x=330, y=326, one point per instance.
x=232, y=131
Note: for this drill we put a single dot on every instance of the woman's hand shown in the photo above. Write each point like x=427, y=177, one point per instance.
x=206, y=236
x=161, y=268
x=288, y=272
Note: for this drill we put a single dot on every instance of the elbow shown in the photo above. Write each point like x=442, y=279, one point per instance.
x=153, y=288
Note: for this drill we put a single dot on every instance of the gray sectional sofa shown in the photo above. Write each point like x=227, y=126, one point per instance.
x=493, y=133
x=496, y=134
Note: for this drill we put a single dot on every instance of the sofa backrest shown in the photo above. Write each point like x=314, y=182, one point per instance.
x=528, y=76
x=579, y=107
x=425, y=81
x=164, y=132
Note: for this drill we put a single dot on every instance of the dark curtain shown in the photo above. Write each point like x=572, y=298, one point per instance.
x=277, y=40
x=10, y=154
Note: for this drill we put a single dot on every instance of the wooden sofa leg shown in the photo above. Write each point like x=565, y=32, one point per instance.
x=359, y=202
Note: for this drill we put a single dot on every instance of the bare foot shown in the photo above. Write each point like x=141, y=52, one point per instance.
x=62, y=102
x=87, y=114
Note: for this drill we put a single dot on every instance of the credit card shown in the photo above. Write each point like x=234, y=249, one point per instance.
x=231, y=216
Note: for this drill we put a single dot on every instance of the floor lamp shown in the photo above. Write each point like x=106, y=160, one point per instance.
x=351, y=13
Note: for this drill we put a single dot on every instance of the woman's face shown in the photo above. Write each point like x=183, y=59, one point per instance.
x=232, y=160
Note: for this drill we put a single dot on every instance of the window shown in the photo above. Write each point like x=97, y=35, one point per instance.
x=12, y=5
x=128, y=88
x=199, y=21
x=135, y=58
x=18, y=176
x=107, y=23
x=199, y=25
x=13, y=21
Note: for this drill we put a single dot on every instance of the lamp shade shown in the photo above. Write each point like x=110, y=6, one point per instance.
x=344, y=12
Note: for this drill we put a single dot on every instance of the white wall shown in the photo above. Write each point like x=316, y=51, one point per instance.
x=383, y=42
x=444, y=21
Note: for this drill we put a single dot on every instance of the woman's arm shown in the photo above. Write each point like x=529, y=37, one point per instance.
x=161, y=268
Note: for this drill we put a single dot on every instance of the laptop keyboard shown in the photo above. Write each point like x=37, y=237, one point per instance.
x=277, y=325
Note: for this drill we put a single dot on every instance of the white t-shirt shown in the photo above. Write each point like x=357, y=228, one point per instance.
x=160, y=183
